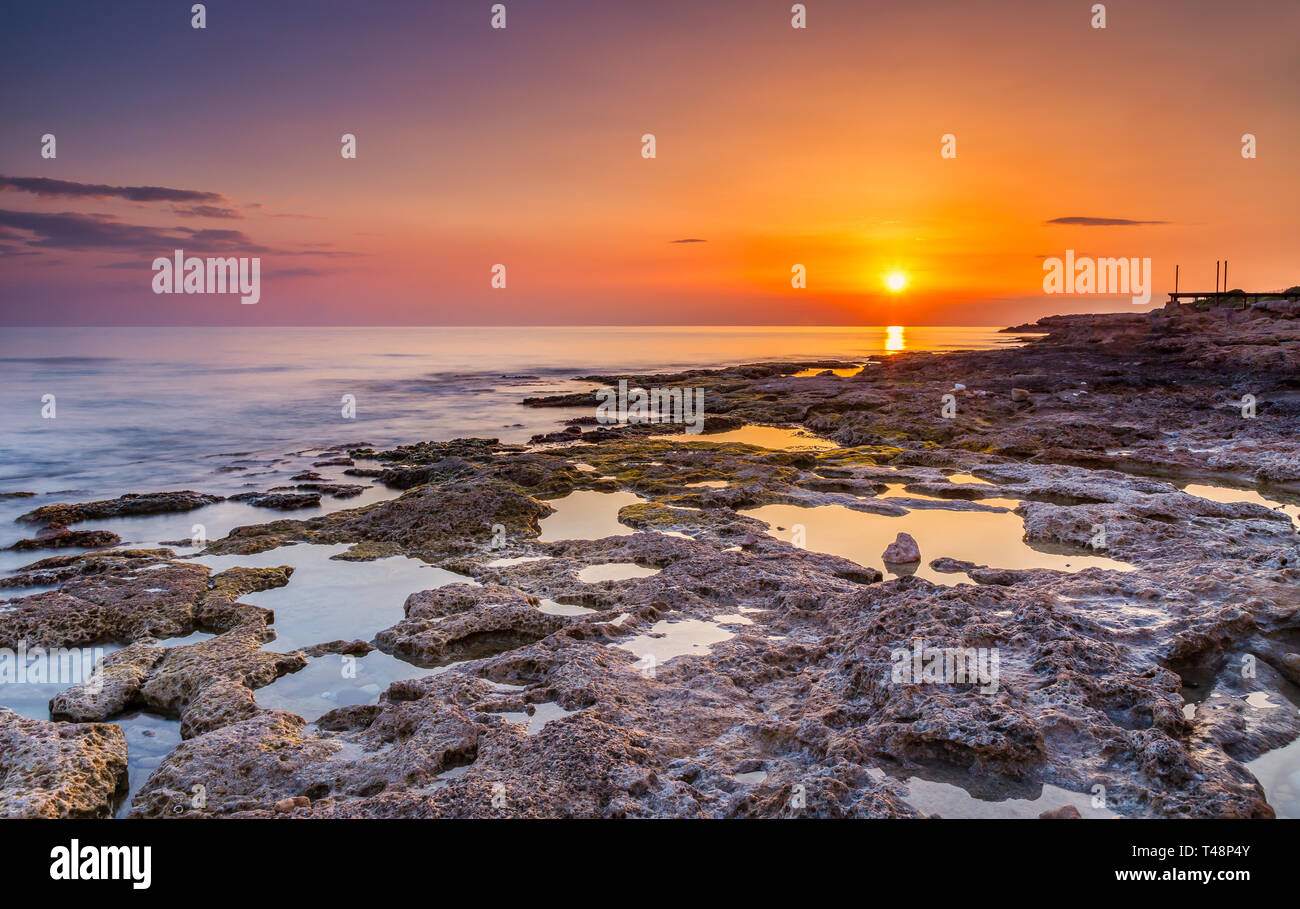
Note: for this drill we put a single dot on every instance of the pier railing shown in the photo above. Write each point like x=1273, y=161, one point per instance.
x=1233, y=296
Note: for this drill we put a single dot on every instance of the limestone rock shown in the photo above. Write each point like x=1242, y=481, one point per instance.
x=123, y=506
x=902, y=551
x=55, y=770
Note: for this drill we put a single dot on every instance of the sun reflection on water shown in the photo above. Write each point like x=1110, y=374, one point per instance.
x=894, y=340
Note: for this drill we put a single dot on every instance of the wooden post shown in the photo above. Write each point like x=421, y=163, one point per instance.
x=1225, y=276
x=1175, y=283
x=1216, y=280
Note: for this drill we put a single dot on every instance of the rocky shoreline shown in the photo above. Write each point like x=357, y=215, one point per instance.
x=1136, y=688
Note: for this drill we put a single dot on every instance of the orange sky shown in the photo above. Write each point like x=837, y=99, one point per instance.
x=775, y=146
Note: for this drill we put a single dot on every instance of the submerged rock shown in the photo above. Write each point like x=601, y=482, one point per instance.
x=283, y=501
x=336, y=490
x=1065, y=811
x=65, y=539
x=123, y=506
x=347, y=648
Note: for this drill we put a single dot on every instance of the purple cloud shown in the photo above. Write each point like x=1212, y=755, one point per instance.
x=68, y=189
x=1101, y=222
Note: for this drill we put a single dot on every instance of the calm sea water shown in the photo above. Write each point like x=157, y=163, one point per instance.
x=146, y=409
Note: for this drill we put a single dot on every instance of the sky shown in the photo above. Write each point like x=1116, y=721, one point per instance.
x=522, y=146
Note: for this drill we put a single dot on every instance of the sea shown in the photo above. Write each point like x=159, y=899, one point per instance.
x=92, y=413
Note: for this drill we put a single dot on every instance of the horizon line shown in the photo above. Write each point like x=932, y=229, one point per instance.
x=542, y=325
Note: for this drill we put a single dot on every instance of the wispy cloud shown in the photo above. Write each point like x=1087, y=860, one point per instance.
x=261, y=209
x=73, y=230
x=69, y=189
x=302, y=272
x=207, y=211
x=98, y=232
x=1101, y=222
x=690, y=240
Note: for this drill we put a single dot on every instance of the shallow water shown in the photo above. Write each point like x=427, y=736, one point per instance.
x=212, y=521
x=843, y=373
x=587, y=515
x=519, y=560
x=995, y=539
x=667, y=640
x=614, y=571
x=149, y=739
x=333, y=680
x=1220, y=493
x=330, y=599
x=325, y=600
x=136, y=406
x=32, y=699
x=1278, y=772
x=773, y=437
x=899, y=491
x=967, y=478
x=952, y=801
x=536, y=721
x=550, y=607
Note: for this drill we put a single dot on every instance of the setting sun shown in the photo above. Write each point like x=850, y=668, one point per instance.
x=896, y=281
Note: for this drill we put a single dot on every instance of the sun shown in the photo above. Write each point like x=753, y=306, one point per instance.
x=896, y=281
